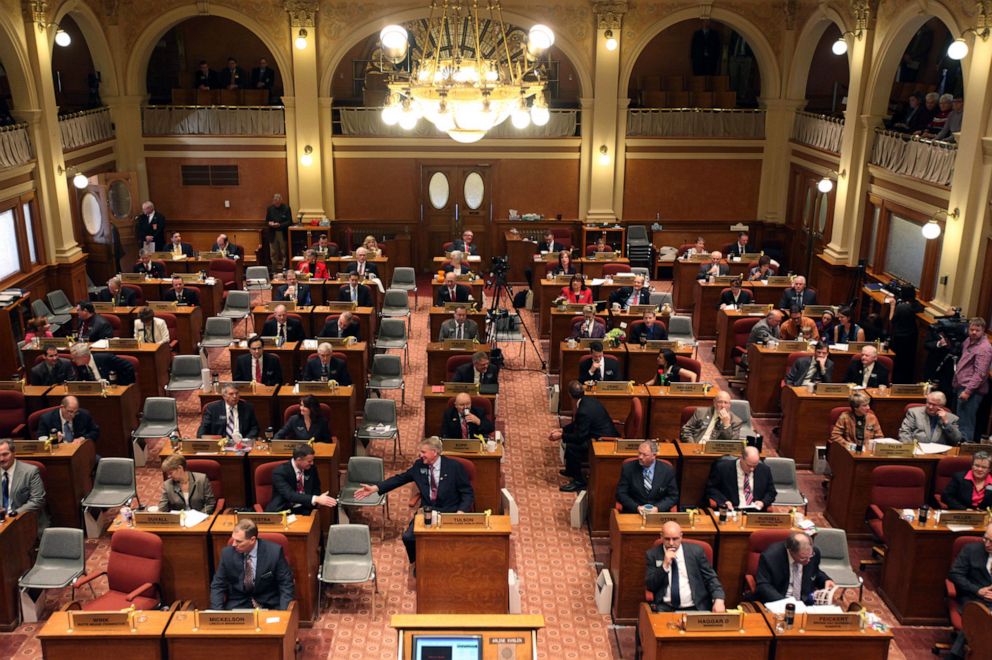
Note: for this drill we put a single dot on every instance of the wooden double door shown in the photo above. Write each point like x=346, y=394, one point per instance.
x=454, y=197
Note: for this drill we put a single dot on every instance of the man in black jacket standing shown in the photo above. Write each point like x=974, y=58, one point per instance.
x=590, y=422
x=278, y=218
x=151, y=227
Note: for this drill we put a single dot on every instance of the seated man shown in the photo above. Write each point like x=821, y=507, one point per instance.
x=362, y=266
x=25, y=490
x=147, y=266
x=598, y=366
x=479, y=371
x=817, y=368
x=296, y=484
x=116, y=294
x=355, y=292
x=251, y=573
x=293, y=290
x=323, y=247
x=69, y=422
x=638, y=294
x=150, y=329
x=931, y=422
x=225, y=247
x=970, y=489
x=650, y=330
x=180, y=295
x=101, y=365
x=858, y=424
x=346, y=325
x=589, y=326
x=790, y=569
x=441, y=482
x=740, y=248
x=465, y=244
x=680, y=577
x=452, y=291
x=230, y=417
x=257, y=365
x=766, y=329
x=283, y=325
x=459, y=327
x=715, y=267
x=736, y=297
x=970, y=575
x=52, y=370
x=91, y=326
x=799, y=326
x=868, y=371
x=798, y=296
x=713, y=423
x=742, y=484
x=465, y=420
x=178, y=248
x=549, y=244
x=325, y=367
x=590, y=422
x=647, y=481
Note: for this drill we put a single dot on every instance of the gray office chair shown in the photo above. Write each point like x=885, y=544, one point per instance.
x=39, y=308
x=237, y=307
x=509, y=330
x=186, y=373
x=680, y=329
x=348, y=559
x=92, y=289
x=393, y=334
x=786, y=482
x=405, y=279
x=659, y=298
x=378, y=423
x=59, y=302
x=396, y=304
x=257, y=278
x=742, y=408
x=61, y=559
x=218, y=332
x=364, y=470
x=387, y=374
x=641, y=270
x=158, y=419
x=835, y=560
x=113, y=486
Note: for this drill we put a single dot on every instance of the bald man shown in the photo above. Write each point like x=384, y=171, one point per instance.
x=70, y=423
x=791, y=569
x=680, y=576
x=714, y=423
x=465, y=420
x=742, y=484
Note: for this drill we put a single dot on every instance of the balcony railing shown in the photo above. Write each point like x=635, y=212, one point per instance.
x=84, y=128
x=696, y=123
x=367, y=122
x=260, y=120
x=15, y=146
x=818, y=131
x=929, y=160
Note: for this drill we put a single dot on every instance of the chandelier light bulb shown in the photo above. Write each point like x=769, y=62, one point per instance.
x=520, y=117
x=80, y=181
x=394, y=41
x=62, y=38
x=539, y=114
x=825, y=185
x=539, y=39
x=307, y=158
x=840, y=46
x=604, y=155
x=391, y=114
x=301, y=40
x=611, y=41
x=931, y=230
x=408, y=119
x=958, y=50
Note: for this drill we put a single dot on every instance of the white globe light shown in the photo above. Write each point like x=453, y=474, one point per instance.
x=931, y=230
x=611, y=43
x=468, y=116
x=62, y=38
x=444, y=121
x=306, y=160
x=393, y=39
x=520, y=118
x=301, y=40
x=840, y=46
x=539, y=39
x=958, y=50
x=390, y=115
x=825, y=185
x=80, y=181
x=604, y=159
x=466, y=136
x=540, y=115
x=408, y=120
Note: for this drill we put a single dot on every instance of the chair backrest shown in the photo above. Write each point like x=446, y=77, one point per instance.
x=139, y=294
x=835, y=414
x=12, y=409
x=742, y=330
x=447, y=245
x=468, y=466
x=680, y=325
x=404, y=275
x=276, y=537
x=454, y=362
x=396, y=298
x=62, y=544
x=238, y=300
x=33, y=420
x=39, y=308
x=635, y=418
x=133, y=361
x=832, y=545
x=325, y=412
x=754, y=264
x=947, y=467
x=380, y=411
x=577, y=321
x=791, y=360
x=365, y=470
x=218, y=326
x=257, y=273
x=707, y=548
x=687, y=363
x=613, y=269
x=886, y=362
x=186, y=366
x=222, y=269
x=263, y=482
x=349, y=540
x=636, y=233
x=115, y=323
x=741, y=408
x=640, y=323
x=170, y=323
x=392, y=329
x=687, y=413
x=114, y=472
x=289, y=315
x=42, y=471
x=641, y=270
x=758, y=542
x=659, y=298
x=58, y=300
x=387, y=365
x=478, y=402
x=563, y=236
x=211, y=469
x=959, y=544
x=783, y=471
x=160, y=409
x=135, y=558
x=899, y=486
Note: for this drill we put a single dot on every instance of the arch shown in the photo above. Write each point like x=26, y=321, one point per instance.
x=771, y=77
x=96, y=41
x=137, y=65
x=806, y=42
x=361, y=32
x=17, y=67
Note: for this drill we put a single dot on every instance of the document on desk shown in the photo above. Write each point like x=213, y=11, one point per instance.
x=931, y=448
x=194, y=518
x=101, y=343
x=778, y=607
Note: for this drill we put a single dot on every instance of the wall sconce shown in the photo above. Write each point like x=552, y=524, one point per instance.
x=958, y=50
x=611, y=41
x=307, y=158
x=932, y=229
x=826, y=184
x=62, y=38
x=79, y=179
x=840, y=46
x=604, y=155
x=301, y=39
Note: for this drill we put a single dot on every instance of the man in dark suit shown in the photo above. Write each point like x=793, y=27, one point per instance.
x=116, y=294
x=180, y=295
x=233, y=77
x=598, y=366
x=229, y=417
x=296, y=485
x=346, y=325
x=91, y=326
x=442, y=483
x=742, y=483
x=226, y=247
x=101, y=365
x=70, y=423
x=638, y=294
x=355, y=292
x=650, y=330
x=278, y=218
x=205, y=78
x=971, y=578
x=739, y=248
x=283, y=325
x=715, y=267
x=868, y=371
x=465, y=420
x=326, y=367
x=52, y=370
x=736, y=297
x=251, y=573
x=452, y=291
x=361, y=265
x=178, y=248
x=790, y=569
x=717, y=422
x=818, y=368
x=459, y=327
x=151, y=226
x=590, y=422
x=680, y=576
x=647, y=481
x=23, y=489
x=589, y=325
x=549, y=244
x=262, y=76
x=258, y=365
x=480, y=371
x=147, y=266
x=465, y=244
x=293, y=290
x=798, y=296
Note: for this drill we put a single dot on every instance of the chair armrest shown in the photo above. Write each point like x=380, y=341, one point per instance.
x=952, y=591
x=875, y=512
x=140, y=590
x=219, y=506
x=86, y=579
x=18, y=431
x=258, y=508
x=752, y=586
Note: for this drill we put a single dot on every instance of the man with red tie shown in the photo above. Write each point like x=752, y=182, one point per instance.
x=742, y=484
x=296, y=485
x=452, y=291
x=361, y=265
x=258, y=365
x=466, y=420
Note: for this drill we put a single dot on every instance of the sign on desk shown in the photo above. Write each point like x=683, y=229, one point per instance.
x=834, y=622
x=708, y=622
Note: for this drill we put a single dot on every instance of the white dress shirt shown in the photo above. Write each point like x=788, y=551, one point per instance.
x=685, y=591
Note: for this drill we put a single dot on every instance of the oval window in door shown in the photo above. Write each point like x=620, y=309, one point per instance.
x=475, y=190
x=438, y=190
x=92, y=214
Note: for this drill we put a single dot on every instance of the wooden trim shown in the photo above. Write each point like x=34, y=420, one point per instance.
x=985, y=292
x=220, y=148
x=915, y=193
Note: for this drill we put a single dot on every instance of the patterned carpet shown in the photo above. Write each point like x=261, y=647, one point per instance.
x=557, y=565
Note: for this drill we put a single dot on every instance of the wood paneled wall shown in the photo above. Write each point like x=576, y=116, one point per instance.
x=692, y=189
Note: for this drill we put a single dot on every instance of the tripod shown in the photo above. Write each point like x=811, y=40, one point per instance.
x=502, y=288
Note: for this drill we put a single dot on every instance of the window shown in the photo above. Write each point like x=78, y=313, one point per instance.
x=10, y=258
x=904, y=250
x=29, y=230
x=209, y=175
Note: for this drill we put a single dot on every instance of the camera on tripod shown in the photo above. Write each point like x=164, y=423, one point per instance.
x=952, y=329
x=498, y=268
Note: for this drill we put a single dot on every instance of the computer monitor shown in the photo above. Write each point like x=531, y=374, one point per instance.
x=447, y=647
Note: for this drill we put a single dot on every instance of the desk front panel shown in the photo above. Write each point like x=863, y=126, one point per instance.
x=59, y=644
x=69, y=468
x=661, y=639
x=17, y=538
x=605, y=465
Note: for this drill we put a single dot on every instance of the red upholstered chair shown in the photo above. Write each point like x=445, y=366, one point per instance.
x=947, y=467
x=133, y=361
x=707, y=550
x=115, y=323
x=276, y=537
x=563, y=236
x=453, y=363
x=263, y=484
x=886, y=361
x=478, y=402
x=835, y=414
x=325, y=411
x=42, y=470
x=139, y=295
x=224, y=270
x=33, y=419
x=331, y=318
x=38, y=360
x=951, y=595
x=590, y=250
x=760, y=541
x=687, y=413
x=466, y=464
x=635, y=418
x=687, y=363
x=195, y=289
x=133, y=572
x=742, y=330
x=612, y=269
x=289, y=315
x=160, y=264
x=892, y=486
x=173, y=326
x=791, y=360
x=685, y=247
x=211, y=469
x=447, y=246
x=334, y=354
x=12, y=414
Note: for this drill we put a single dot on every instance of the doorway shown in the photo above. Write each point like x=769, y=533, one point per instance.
x=454, y=197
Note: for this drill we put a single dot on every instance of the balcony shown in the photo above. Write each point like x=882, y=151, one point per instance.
x=367, y=122
x=710, y=123
x=818, y=131
x=81, y=129
x=927, y=160
x=176, y=120
x=15, y=146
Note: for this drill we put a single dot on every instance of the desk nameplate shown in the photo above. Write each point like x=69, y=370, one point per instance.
x=724, y=447
x=477, y=520
x=778, y=280
x=627, y=446
x=263, y=518
x=856, y=346
x=80, y=619
x=313, y=387
x=893, y=450
x=57, y=342
x=286, y=446
x=100, y=306
x=288, y=304
x=576, y=307
x=832, y=388
x=336, y=342
x=200, y=446
x=460, y=344
x=123, y=342
x=973, y=518
x=190, y=278
x=816, y=311
x=612, y=386
x=845, y=621
x=462, y=445
x=451, y=387
x=709, y=622
x=225, y=619
x=759, y=520
x=659, y=518
x=163, y=256
x=160, y=519
x=640, y=309
x=132, y=278
x=604, y=256
x=910, y=389
x=452, y=306
x=12, y=385
x=659, y=344
x=341, y=305
x=162, y=305
x=32, y=447
x=792, y=346
x=688, y=388
x=725, y=279
x=755, y=309
x=970, y=448
x=83, y=387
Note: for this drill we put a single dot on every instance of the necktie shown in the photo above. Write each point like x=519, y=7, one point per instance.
x=458, y=333
x=146, y=334
x=84, y=329
x=361, y=270
x=676, y=591
x=451, y=293
x=230, y=422
x=797, y=581
x=299, y=482
x=282, y=331
x=258, y=371
x=433, y=485
x=354, y=294
x=647, y=480
x=6, y=492
x=249, y=574
x=464, y=427
x=748, y=498
x=67, y=435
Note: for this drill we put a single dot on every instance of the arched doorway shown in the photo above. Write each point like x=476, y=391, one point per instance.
x=829, y=76
x=74, y=75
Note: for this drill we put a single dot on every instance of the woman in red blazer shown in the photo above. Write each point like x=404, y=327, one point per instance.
x=310, y=265
x=577, y=291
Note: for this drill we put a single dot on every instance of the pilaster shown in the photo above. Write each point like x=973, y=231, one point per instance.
x=605, y=131
x=307, y=179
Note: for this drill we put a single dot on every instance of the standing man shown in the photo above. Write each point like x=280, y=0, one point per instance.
x=971, y=377
x=791, y=569
x=680, y=576
x=151, y=228
x=262, y=77
x=590, y=422
x=233, y=77
x=257, y=365
x=251, y=573
x=647, y=481
x=278, y=218
x=296, y=484
x=21, y=487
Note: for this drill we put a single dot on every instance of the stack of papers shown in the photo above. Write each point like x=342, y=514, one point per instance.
x=931, y=448
x=194, y=518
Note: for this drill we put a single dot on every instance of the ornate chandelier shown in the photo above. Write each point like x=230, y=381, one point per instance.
x=468, y=74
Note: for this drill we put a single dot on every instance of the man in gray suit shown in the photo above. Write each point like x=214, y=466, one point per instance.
x=767, y=328
x=716, y=423
x=21, y=487
x=931, y=423
x=680, y=576
x=460, y=327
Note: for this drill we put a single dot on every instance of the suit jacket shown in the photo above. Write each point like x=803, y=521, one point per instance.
x=647, y=332
x=209, y=79
x=465, y=270
x=284, y=495
x=598, y=329
x=294, y=329
x=735, y=250
x=189, y=297
x=703, y=580
x=271, y=369
x=466, y=374
x=969, y=572
x=845, y=428
x=856, y=372
x=799, y=368
x=105, y=363
x=664, y=492
x=957, y=493
x=744, y=298
x=555, y=247
x=42, y=375
x=83, y=425
x=158, y=333
x=591, y=421
x=611, y=369
x=623, y=294
x=331, y=330
x=695, y=428
x=721, y=487
x=273, y=588
x=152, y=269
x=145, y=229
x=454, y=491
x=773, y=575
x=186, y=248
x=337, y=369
x=96, y=328
x=451, y=426
x=364, y=295
x=230, y=250
x=369, y=268
x=233, y=77
x=124, y=297
x=789, y=298
x=262, y=78
x=214, y=420
x=762, y=332
x=296, y=429
x=449, y=328
x=461, y=294
x=704, y=270
x=459, y=245
x=201, y=495
x=302, y=294
x=27, y=493
x=916, y=426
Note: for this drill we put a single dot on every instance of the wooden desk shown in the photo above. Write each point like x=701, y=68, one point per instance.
x=211, y=295
x=438, y=315
x=437, y=361
x=665, y=419
x=488, y=478
x=475, y=290
x=725, y=319
x=186, y=565
x=69, y=468
x=303, y=535
x=342, y=421
x=154, y=361
x=706, y=301
x=593, y=268
x=435, y=403
x=545, y=292
x=731, y=561
x=659, y=642
x=57, y=643
x=189, y=328
x=504, y=636
x=684, y=273
x=116, y=413
x=275, y=641
x=463, y=570
x=629, y=543
x=618, y=405
x=17, y=538
x=797, y=644
x=916, y=565
x=261, y=399
x=368, y=323
x=806, y=418
x=850, y=486
x=36, y=398
x=694, y=472
x=605, y=464
x=326, y=462
x=642, y=362
x=568, y=361
x=288, y=359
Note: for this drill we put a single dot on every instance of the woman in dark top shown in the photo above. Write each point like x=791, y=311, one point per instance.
x=668, y=370
x=565, y=266
x=902, y=324
x=847, y=330
x=826, y=324
x=306, y=424
x=971, y=489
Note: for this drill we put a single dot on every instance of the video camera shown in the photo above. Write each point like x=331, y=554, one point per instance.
x=953, y=329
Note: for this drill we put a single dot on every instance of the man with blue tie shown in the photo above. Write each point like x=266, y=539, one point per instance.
x=680, y=576
x=647, y=481
x=70, y=423
x=355, y=292
x=230, y=417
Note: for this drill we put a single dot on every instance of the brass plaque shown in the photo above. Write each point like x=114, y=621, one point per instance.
x=751, y=256
x=132, y=278
x=575, y=307
x=199, y=446
x=459, y=344
x=856, y=346
x=768, y=520
x=550, y=257
x=586, y=342
x=832, y=388
x=337, y=342
x=836, y=622
x=99, y=306
x=83, y=387
x=816, y=311
x=12, y=385
x=189, y=278
x=122, y=342
x=688, y=388
x=464, y=520
x=756, y=309
x=162, y=306
x=723, y=447
x=725, y=279
x=792, y=346
x=971, y=448
x=627, y=446
x=340, y=305
x=32, y=447
x=161, y=256
x=909, y=389
x=604, y=256
x=779, y=280
x=612, y=387
x=162, y=519
x=460, y=445
x=708, y=622
x=661, y=517
x=81, y=619
x=658, y=344
x=892, y=450
x=312, y=387
x=698, y=258
x=465, y=277
x=451, y=387
x=261, y=518
x=640, y=309
x=243, y=386
x=57, y=342
x=212, y=255
x=561, y=278
x=973, y=518
x=225, y=619
x=285, y=446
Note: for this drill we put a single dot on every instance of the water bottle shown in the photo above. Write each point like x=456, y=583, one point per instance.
x=205, y=380
x=53, y=435
x=127, y=516
x=174, y=440
x=216, y=382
